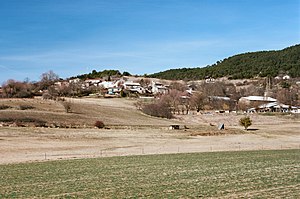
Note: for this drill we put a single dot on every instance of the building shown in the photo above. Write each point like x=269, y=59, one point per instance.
x=210, y=80
x=93, y=82
x=158, y=88
x=286, y=77
x=134, y=87
x=258, y=99
x=277, y=107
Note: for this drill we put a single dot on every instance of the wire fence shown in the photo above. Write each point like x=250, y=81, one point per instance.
x=148, y=150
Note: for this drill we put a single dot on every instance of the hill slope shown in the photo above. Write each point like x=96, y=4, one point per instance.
x=84, y=113
x=246, y=65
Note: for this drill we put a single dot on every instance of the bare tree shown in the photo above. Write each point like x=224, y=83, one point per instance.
x=178, y=86
x=47, y=79
x=12, y=88
x=198, y=100
x=68, y=106
x=173, y=98
x=287, y=96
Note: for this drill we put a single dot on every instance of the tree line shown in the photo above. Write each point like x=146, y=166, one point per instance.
x=247, y=65
x=102, y=74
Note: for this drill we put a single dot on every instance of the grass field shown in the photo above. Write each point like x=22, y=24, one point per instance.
x=255, y=174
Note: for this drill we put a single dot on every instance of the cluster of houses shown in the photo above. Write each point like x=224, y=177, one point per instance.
x=114, y=87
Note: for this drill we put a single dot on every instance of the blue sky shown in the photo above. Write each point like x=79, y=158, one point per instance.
x=73, y=37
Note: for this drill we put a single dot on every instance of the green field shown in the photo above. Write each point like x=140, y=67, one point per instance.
x=255, y=174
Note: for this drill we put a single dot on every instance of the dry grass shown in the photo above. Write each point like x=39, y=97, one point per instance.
x=129, y=132
x=84, y=112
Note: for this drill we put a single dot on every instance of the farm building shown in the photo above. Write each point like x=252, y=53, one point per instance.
x=274, y=107
x=260, y=99
x=277, y=107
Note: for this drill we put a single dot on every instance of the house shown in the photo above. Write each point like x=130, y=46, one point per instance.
x=76, y=80
x=106, y=84
x=93, y=82
x=286, y=77
x=134, y=87
x=210, y=80
x=282, y=76
x=158, y=88
x=114, y=90
x=61, y=84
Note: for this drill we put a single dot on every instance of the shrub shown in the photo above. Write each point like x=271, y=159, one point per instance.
x=2, y=107
x=245, y=122
x=46, y=96
x=99, y=124
x=24, y=94
x=24, y=121
x=67, y=106
x=123, y=93
x=25, y=107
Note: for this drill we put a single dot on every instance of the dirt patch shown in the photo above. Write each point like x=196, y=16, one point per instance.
x=40, y=144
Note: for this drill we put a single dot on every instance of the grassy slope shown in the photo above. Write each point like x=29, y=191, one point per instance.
x=83, y=112
x=266, y=174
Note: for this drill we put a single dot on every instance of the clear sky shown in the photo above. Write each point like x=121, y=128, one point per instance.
x=73, y=37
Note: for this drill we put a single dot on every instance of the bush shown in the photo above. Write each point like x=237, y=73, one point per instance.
x=99, y=124
x=47, y=96
x=24, y=121
x=67, y=106
x=24, y=94
x=245, y=122
x=2, y=107
x=25, y=107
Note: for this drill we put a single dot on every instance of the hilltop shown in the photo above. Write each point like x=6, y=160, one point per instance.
x=246, y=65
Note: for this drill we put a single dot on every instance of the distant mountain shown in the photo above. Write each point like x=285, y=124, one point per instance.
x=246, y=65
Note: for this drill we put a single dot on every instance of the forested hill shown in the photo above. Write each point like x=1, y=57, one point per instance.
x=100, y=74
x=247, y=65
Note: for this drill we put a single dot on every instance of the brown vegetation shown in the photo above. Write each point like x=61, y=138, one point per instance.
x=129, y=131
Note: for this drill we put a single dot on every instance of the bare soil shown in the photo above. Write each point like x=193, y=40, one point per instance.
x=133, y=133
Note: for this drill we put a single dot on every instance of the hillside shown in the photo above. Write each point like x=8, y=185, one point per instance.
x=84, y=112
x=246, y=65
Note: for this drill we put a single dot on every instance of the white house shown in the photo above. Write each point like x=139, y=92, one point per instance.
x=134, y=87
x=76, y=80
x=286, y=77
x=158, y=88
x=106, y=84
x=210, y=80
